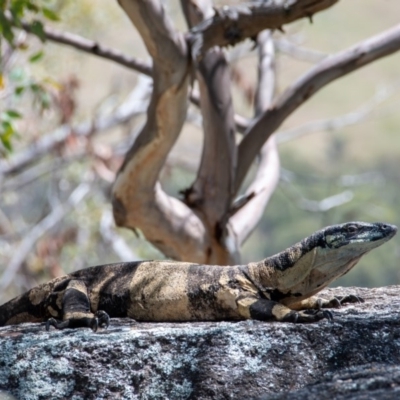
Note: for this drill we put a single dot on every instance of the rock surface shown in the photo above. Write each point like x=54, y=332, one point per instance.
x=355, y=357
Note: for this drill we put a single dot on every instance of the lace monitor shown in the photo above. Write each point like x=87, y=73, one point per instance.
x=278, y=288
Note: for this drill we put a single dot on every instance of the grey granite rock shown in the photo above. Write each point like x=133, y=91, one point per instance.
x=356, y=355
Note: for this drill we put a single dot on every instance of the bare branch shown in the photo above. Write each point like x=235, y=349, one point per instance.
x=300, y=53
x=231, y=25
x=241, y=123
x=334, y=124
x=138, y=200
x=244, y=220
x=38, y=231
x=323, y=205
x=92, y=47
x=212, y=190
x=323, y=73
x=135, y=104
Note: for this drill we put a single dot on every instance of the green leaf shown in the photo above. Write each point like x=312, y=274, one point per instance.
x=35, y=87
x=7, y=128
x=36, y=57
x=38, y=30
x=6, y=140
x=13, y=114
x=45, y=99
x=6, y=28
x=32, y=7
x=50, y=14
x=19, y=90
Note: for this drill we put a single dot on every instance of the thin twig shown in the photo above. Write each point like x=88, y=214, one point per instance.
x=367, y=110
x=135, y=104
x=92, y=47
x=39, y=230
x=331, y=68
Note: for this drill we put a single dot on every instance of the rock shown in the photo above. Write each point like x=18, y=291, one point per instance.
x=363, y=382
x=357, y=354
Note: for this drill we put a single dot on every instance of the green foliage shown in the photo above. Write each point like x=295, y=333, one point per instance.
x=7, y=127
x=18, y=79
x=13, y=12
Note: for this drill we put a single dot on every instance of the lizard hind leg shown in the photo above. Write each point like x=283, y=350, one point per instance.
x=76, y=310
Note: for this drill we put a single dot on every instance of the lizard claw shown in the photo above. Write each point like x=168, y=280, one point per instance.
x=103, y=319
x=351, y=298
x=314, y=315
x=338, y=301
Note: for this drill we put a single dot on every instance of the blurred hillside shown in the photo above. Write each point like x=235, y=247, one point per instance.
x=358, y=163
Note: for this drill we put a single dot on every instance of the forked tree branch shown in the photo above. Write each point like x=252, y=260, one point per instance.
x=331, y=68
x=95, y=48
x=213, y=188
x=245, y=219
x=230, y=25
x=138, y=199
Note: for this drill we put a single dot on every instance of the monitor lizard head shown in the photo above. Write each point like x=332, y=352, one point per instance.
x=340, y=247
x=357, y=237
x=310, y=265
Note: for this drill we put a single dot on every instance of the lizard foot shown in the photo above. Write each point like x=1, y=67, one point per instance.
x=101, y=319
x=338, y=301
x=308, y=316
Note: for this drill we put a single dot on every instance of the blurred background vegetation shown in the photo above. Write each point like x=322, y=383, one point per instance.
x=351, y=159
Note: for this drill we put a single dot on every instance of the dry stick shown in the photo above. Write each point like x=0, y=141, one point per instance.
x=38, y=231
x=328, y=70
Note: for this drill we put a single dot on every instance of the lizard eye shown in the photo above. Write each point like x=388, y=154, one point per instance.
x=351, y=229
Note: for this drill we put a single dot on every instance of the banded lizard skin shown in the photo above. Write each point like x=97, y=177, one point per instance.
x=280, y=288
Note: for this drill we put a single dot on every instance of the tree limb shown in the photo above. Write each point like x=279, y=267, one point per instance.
x=245, y=219
x=138, y=200
x=212, y=190
x=331, y=68
x=135, y=104
x=231, y=25
x=363, y=112
x=92, y=47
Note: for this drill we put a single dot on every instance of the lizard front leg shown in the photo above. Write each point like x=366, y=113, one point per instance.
x=76, y=310
x=268, y=310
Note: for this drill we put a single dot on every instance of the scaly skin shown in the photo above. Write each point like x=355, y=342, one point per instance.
x=280, y=288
